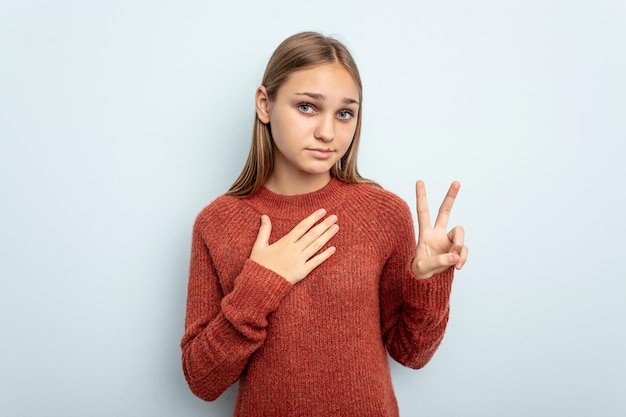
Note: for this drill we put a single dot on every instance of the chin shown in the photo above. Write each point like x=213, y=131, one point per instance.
x=317, y=170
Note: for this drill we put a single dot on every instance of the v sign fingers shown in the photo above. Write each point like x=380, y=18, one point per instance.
x=446, y=206
x=423, y=216
x=437, y=249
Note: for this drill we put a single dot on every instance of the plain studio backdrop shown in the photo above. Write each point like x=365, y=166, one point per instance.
x=120, y=120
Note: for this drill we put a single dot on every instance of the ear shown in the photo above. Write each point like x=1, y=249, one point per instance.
x=262, y=105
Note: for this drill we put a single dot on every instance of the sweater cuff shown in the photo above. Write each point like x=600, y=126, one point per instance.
x=258, y=291
x=433, y=292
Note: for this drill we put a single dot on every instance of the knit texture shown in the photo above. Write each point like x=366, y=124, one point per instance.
x=319, y=347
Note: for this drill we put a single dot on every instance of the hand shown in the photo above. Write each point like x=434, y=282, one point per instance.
x=294, y=256
x=437, y=249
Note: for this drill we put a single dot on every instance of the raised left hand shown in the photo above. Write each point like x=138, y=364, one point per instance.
x=437, y=249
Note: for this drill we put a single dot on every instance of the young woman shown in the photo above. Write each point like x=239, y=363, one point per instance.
x=305, y=275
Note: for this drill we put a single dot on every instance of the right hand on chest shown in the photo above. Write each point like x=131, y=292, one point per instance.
x=295, y=255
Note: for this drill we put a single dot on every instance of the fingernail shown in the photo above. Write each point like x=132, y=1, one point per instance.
x=333, y=218
x=322, y=212
x=264, y=219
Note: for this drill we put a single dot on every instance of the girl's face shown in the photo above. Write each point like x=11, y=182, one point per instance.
x=313, y=119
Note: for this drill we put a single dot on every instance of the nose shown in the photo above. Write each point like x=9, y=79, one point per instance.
x=325, y=130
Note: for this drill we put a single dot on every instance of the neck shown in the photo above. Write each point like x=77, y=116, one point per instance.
x=297, y=184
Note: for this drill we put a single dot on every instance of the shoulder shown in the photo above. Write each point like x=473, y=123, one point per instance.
x=383, y=212
x=378, y=200
x=223, y=210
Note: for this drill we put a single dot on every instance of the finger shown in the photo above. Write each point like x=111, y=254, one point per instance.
x=317, y=231
x=316, y=244
x=462, y=258
x=457, y=236
x=426, y=267
x=446, y=206
x=423, y=216
x=263, y=237
x=317, y=260
x=301, y=228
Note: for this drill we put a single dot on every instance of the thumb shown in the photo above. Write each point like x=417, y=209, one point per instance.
x=427, y=267
x=265, y=230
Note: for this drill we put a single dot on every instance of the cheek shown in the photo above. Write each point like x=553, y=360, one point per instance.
x=346, y=133
x=286, y=125
x=277, y=127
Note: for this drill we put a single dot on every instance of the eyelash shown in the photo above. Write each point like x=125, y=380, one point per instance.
x=301, y=105
x=348, y=113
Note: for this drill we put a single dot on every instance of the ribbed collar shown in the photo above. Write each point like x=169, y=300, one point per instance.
x=297, y=207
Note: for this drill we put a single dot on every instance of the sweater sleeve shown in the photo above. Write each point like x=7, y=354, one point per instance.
x=222, y=332
x=414, y=312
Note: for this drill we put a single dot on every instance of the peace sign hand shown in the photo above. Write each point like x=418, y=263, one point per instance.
x=437, y=249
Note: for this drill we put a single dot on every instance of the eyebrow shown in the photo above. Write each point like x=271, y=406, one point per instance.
x=316, y=96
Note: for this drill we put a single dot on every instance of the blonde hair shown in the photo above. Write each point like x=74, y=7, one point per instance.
x=297, y=52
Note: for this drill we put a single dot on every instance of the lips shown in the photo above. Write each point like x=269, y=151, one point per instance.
x=320, y=153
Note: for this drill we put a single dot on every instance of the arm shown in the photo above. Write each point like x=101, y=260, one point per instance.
x=414, y=312
x=222, y=332
x=416, y=305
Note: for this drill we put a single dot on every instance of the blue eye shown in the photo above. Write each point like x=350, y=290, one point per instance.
x=345, y=115
x=305, y=108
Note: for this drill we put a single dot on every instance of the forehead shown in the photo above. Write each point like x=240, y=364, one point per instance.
x=327, y=79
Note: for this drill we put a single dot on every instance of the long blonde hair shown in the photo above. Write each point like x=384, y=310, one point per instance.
x=297, y=52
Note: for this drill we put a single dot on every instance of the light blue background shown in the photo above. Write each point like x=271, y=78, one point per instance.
x=120, y=120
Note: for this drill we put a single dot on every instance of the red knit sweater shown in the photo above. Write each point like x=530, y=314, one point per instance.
x=319, y=347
